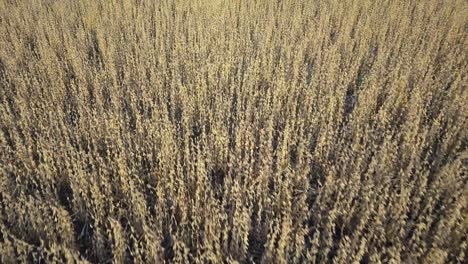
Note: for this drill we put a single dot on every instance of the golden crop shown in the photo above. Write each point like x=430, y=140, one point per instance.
x=232, y=131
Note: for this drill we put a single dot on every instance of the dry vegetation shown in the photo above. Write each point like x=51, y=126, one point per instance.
x=233, y=131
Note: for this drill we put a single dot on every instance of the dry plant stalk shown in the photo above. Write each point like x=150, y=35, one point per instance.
x=216, y=131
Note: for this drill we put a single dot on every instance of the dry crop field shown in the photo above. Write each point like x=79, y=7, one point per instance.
x=233, y=131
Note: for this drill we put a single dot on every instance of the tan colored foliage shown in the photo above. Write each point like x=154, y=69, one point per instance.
x=233, y=131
